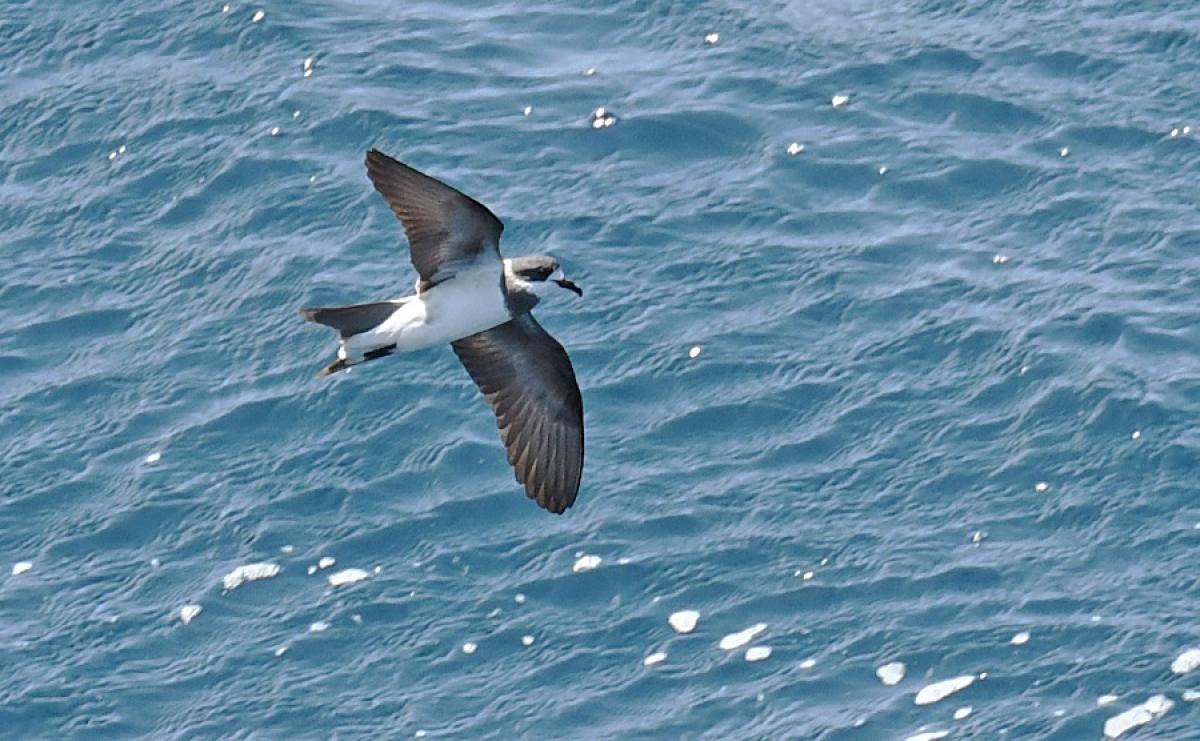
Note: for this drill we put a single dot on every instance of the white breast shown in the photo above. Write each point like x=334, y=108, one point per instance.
x=468, y=303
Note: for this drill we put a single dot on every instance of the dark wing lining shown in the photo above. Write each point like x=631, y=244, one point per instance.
x=527, y=379
x=443, y=225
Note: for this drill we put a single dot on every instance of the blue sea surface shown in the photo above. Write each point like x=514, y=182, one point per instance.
x=931, y=383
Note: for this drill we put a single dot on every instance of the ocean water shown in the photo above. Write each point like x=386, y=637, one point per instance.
x=943, y=412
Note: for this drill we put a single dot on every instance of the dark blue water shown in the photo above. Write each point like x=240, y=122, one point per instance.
x=961, y=391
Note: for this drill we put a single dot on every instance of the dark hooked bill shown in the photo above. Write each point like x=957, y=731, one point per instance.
x=570, y=286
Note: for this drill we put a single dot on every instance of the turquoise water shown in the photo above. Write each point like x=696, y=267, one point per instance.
x=961, y=391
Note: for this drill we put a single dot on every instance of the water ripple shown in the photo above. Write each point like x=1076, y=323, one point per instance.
x=944, y=390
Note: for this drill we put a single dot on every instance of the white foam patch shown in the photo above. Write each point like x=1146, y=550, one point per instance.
x=20, y=567
x=602, y=118
x=808, y=663
x=1191, y=695
x=695, y=352
x=188, y=613
x=326, y=562
x=758, y=653
x=742, y=637
x=684, y=621
x=840, y=100
x=939, y=691
x=469, y=648
x=928, y=736
x=1020, y=639
x=712, y=38
x=347, y=576
x=249, y=572
x=963, y=713
x=891, y=673
x=657, y=657
x=1103, y=700
x=1137, y=716
x=258, y=16
x=795, y=148
x=527, y=640
x=153, y=458
x=1186, y=662
x=319, y=627
x=586, y=563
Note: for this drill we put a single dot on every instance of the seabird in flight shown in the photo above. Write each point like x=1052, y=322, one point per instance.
x=480, y=303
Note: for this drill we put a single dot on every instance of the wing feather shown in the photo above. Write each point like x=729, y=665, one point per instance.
x=445, y=228
x=527, y=379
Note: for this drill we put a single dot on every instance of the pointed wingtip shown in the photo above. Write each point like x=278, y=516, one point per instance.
x=377, y=158
x=380, y=165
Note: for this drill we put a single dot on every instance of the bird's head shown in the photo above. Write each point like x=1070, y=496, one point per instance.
x=542, y=273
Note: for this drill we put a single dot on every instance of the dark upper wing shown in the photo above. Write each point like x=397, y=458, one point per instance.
x=527, y=379
x=443, y=225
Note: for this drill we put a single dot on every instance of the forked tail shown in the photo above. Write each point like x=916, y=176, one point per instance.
x=350, y=321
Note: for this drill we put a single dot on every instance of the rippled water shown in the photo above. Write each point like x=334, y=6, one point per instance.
x=946, y=392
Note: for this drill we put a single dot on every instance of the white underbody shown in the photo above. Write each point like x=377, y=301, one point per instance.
x=468, y=303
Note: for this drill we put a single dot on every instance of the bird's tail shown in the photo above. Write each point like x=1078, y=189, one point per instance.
x=350, y=321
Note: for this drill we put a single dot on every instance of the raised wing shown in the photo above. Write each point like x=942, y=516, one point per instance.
x=445, y=228
x=527, y=379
